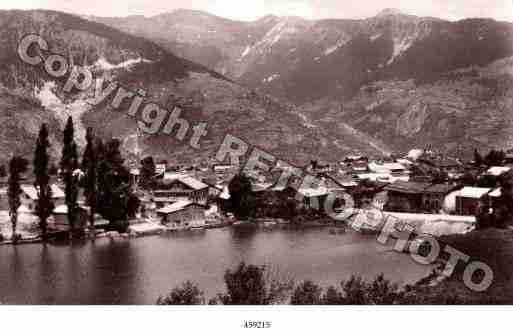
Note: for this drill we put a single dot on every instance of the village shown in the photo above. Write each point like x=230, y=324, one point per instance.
x=422, y=186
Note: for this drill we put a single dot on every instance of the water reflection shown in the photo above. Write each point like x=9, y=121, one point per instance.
x=138, y=271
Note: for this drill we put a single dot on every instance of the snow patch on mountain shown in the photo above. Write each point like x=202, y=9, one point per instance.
x=51, y=102
x=336, y=46
x=376, y=37
x=245, y=52
x=401, y=45
x=105, y=65
x=271, y=78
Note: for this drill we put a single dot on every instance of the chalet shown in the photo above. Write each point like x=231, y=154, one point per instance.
x=183, y=215
x=449, y=165
x=178, y=187
x=29, y=196
x=470, y=200
x=405, y=196
x=433, y=197
x=417, y=196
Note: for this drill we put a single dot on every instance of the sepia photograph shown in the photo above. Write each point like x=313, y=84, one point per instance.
x=301, y=154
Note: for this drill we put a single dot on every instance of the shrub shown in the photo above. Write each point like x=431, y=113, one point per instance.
x=187, y=294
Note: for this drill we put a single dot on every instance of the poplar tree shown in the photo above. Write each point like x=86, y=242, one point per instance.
x=17, y=166
x=69, y=163
x=44, y=205
x=89, y=167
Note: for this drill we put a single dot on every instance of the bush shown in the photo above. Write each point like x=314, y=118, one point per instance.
x=187, y=294
x=254, y=285
x=307, y=293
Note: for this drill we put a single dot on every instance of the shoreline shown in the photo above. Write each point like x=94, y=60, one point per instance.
x=159, y=230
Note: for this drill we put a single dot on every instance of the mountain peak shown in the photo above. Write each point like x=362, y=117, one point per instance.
x=390, y=12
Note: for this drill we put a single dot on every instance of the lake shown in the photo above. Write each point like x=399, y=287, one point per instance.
x=137, y=271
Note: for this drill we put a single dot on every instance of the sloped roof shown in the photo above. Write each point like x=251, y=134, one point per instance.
x=474, y=192
x=498, y=170
x=386, y=167
x=178, y=206
x=225, y=194
x=193, y=183
x=186, y=180
x=408, y=187
x=496, y=193
x=440, y=188
x=314, y=192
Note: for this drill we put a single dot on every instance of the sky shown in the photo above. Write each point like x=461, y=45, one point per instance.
x=252, y=9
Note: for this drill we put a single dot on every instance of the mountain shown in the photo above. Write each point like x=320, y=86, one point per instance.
x=31, y=96
x=327, y=68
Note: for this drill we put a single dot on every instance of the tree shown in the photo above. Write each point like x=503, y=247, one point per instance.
x=69, y=163
x=3, y=172
x=240, y=195
x=116, y=201
x=333, y=297
x=147, y=174
x=495, y=158
x=245, y=286
x=53, y=170
x=254, y=285
x=89, y=168
x=186, y=294
x=17, y=166
x=69, y=160
x=478, y=159
x=44, y=206
x=307, y=293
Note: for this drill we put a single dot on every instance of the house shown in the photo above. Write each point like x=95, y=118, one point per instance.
x=387, y=168
x=405, y=196
x=29, y=196
x=433, y=197
x=359, y=167
x=222, y=168
x=417, y=196
x=179, y=187
x=60, y=221
x=313, y=198
x=160, y=168
x=183, y=215
x=471, y=200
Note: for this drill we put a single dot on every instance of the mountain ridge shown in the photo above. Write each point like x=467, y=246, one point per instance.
x=202, y=94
